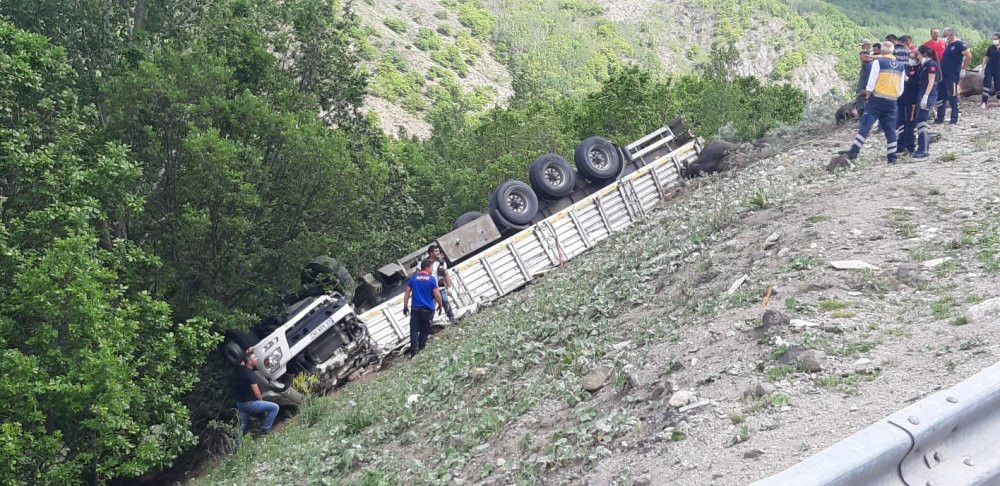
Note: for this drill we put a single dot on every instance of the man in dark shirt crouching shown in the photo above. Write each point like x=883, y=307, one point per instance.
x=248, y=398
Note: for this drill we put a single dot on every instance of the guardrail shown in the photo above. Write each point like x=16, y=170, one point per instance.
x=950, y=438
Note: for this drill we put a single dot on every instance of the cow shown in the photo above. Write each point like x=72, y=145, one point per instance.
x=710, y=159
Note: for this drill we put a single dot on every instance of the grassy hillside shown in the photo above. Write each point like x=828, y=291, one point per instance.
x=917, y=17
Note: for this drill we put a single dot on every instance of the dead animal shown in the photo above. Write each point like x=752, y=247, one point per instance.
x=710, y=159
x=849, y=111
x=971, y=84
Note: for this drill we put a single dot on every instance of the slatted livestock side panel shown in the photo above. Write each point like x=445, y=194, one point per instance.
x=515, y=261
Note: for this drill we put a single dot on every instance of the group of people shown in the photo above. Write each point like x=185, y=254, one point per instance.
x=901, y=81
x=426, y=290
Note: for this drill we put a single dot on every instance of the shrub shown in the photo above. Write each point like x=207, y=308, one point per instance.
x=396, y=25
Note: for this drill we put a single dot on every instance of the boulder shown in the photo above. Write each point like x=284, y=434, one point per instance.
x=681, y=398
x=810, y=361
x=984, y=312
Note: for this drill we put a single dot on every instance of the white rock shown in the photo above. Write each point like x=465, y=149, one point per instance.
x=935, y=262
x=851, y=265
x=501, y=462
x=784, y=251
x=412, y=399
x=800, y=324
x=681, y=398
x=984, y=312
x=740, y=281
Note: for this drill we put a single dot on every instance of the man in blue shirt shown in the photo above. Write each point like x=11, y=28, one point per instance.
x=955, y=61
x=907, y=107
x=424, y=288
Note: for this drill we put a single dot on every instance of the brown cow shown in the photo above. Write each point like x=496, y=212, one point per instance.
x=971, y=84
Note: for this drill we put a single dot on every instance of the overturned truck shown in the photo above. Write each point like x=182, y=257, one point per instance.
x=528, y=229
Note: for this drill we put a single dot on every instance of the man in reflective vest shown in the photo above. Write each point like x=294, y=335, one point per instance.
x=885, y=85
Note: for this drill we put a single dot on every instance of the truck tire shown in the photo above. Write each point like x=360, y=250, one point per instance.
x=465, y=219
x=598, y=160
x=326, y=271
x=515, y=201
x=551, y=177
x=503, y=224
x=236, y=344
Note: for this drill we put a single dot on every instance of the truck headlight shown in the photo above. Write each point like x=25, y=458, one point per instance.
x=272, y=362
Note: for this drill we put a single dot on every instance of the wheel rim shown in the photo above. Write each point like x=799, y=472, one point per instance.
x=598, y=159
x=553, y=176
x=517, y=203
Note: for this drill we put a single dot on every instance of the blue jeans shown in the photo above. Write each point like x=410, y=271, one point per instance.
x=923, y=137
x=447, y=303
x=884, y=111
x=948, y=90
x=257, y=407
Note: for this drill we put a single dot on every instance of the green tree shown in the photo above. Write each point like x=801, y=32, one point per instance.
x=91, y=367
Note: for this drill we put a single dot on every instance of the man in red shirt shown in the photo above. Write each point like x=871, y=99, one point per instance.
x=937, y=44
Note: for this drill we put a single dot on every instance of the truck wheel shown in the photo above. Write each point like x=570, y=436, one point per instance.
x=503, y=224
x=598, y=160
x=327, y=272
x=551, y=177
x=236, y=344
x=515, y=201
x=465, y=219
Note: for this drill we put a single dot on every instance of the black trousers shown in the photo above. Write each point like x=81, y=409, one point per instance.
x=420, y=328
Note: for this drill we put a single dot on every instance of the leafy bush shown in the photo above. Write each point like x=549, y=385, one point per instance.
x=473, y=15
x=427, y=40
x=396, y=25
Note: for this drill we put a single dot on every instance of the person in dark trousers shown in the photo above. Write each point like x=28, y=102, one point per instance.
x=957, y=57
x=868, y=54
x=424, y=290
x=248, y=398
x=991, y=72
x=927, y=89
x=885, y=85
x=439, y=269
x=906, y=110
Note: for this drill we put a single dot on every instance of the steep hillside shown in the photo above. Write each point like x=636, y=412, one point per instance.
x=422, y=51
x=712, y=344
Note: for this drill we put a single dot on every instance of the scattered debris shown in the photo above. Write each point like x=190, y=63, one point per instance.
x=694, y=406
x=802, y=324
x=772, y=319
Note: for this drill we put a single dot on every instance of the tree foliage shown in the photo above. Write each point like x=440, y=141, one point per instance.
x=92, y=365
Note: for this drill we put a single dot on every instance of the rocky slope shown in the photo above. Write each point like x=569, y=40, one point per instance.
x=409, y=42
x=715, y=343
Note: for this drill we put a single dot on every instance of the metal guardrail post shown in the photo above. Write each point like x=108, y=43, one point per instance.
x=950, y=438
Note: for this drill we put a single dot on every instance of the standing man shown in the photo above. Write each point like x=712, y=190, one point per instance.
x=927, y=89
x=440, y=271
x=424, y=289
x=937, y=44
x=907, y=110
x=248, y=398
x=957, y=57
x=885, y=85
x=991, y=73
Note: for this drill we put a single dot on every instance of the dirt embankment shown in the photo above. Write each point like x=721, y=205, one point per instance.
x=648, y=360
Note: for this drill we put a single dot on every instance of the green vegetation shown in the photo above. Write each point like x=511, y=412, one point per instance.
x=472, y=14
x=916, y=18
x=427, y=40
x=846, y=382
x=395, y=83
x=396, y=25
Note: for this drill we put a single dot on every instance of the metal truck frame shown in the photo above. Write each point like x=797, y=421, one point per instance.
x=324, y=334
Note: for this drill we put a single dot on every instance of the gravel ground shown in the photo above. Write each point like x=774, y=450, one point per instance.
x=894, y=339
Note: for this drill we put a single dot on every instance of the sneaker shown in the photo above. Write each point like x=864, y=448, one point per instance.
x=892, y=161
x=938, y=122
x=920, y=155
x=983, y=105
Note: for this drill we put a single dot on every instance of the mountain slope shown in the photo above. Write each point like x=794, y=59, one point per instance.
x=653, y=312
